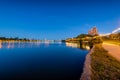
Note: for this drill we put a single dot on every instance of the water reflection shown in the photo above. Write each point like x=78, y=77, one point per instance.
x=77, y=45
x=0, y=44
x=31, y=60
x=73, y=45
x=10, y=45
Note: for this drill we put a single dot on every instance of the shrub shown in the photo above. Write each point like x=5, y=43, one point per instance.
x=96, y=40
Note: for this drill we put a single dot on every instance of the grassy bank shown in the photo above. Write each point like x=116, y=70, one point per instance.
x=103, y=65
x=112, y=42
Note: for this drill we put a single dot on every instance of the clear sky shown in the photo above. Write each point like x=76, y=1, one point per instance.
x=57, y=19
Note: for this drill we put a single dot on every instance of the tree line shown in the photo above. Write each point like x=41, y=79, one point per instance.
x=16, y=39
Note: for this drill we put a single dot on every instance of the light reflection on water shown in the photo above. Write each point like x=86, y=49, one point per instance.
x=0, y=45
x=41, y=61
x=9, y=45
x=77, y=45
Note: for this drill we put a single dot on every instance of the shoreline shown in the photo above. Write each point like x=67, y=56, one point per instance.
x=87, y=66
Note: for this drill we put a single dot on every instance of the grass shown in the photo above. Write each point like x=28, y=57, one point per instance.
x=112, y=42
x=103, y=65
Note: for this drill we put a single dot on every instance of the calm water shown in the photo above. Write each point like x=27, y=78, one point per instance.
x=41, y=61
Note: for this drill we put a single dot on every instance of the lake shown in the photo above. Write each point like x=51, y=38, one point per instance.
x=41, y=61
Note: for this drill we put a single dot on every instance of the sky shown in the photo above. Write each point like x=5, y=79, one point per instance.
x=57, y=19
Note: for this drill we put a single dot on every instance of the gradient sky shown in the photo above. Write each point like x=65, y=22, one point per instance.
x=57, y=19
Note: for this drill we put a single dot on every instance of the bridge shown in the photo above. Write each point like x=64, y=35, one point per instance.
x=115, y=31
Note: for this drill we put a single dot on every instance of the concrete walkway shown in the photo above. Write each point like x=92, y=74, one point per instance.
x=114, y=50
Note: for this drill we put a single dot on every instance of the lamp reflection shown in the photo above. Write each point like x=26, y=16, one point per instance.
x=77, y=45
x=46, y=43
x=0, y=44
x=10, y=45
x=74, y=45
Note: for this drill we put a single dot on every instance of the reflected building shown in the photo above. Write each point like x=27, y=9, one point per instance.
x=77, y=45
x=38, y=43
x=10, y=45
x=73, y=45
x=0, y=44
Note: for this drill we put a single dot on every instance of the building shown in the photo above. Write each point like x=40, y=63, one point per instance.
x=93, y=31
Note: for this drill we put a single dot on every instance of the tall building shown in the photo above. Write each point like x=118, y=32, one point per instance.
x=93, y=31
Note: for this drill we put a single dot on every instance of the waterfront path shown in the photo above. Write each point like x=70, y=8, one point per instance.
x=113, y=50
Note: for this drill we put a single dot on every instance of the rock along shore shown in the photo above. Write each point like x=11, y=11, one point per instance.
x=87, y=66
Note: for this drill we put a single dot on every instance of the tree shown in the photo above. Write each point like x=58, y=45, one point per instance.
x=82, y=36
x=96, y=40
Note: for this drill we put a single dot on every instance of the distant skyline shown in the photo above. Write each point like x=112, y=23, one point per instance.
x=57, y=19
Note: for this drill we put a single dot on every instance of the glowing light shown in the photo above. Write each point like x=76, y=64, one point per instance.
x=118, y=29
x=0, y=44
x=8, y=45
x=72, y=45
x=87, y=47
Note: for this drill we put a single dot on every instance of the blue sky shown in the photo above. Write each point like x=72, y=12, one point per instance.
x=57, y=19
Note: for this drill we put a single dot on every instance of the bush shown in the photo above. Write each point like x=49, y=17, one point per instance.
x=96, y=40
